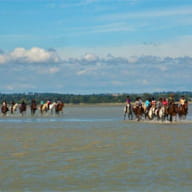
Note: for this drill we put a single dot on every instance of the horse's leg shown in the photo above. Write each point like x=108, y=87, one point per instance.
x=32, y=112
x=138, y=117
x=131, y=116
x=124, y=115
x=175, y=117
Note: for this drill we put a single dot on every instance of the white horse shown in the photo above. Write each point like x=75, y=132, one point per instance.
x=151, y=112
x=52, y=106
x=129, y=111
x=162, y=113
x=14, y=108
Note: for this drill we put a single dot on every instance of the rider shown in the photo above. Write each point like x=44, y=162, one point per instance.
x=138, y=102
x=171, y=99
x=159, y=103
x=33, y=102
x=128, y=100
x=48, y=104
x=165, y=102
x=147, y=104
x=182, y=101
x=153, y=102
x=4, y=103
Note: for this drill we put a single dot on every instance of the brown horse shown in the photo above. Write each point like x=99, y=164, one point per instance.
x=33, y=107
x=4, y=109
x=139, y=111
x=183, y=110
x=172, y=111
x=59, y=107
x=23, y=108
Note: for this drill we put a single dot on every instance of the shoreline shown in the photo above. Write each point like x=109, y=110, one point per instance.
x=104, y=104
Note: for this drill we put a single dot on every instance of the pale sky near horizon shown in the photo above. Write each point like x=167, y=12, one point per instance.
x=95, y=46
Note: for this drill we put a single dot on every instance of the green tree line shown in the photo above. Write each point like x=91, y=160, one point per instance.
x=90, y=99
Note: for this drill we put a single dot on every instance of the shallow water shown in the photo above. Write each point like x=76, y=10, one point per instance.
x=92, y=149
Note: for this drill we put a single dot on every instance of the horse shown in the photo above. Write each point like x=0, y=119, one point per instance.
x=52, y=106
x=14, y=107
x=162, y=113
x=172, y=111
x=33, y=107
x=183, y=110
x=59, y=107
x=129, y=111
x=44, y=108
x=23, y=108
x=4, y=109
x=138, y=110
x=151, y=112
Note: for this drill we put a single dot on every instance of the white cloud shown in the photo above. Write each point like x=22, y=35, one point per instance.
x=2, y=59
x=33, y=55
x=90, y=57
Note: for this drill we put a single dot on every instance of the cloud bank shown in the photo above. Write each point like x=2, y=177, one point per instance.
x=38, y=69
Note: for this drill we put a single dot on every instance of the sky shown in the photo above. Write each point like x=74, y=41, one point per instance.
x=95, y=46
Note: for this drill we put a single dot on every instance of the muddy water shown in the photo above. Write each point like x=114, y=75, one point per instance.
x=93, y=149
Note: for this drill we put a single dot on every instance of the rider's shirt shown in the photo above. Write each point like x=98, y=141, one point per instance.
x=147, y=103
x=128, y=101
x=182, y=101
x=165, y=102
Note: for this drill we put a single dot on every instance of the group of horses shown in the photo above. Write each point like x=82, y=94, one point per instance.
x=169, y=112
x=14, y=108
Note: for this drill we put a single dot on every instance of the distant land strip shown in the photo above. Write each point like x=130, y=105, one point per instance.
x=88, y=98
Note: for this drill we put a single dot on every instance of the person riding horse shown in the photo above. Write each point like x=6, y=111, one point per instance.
x=4, y=107
x=128, y=109
x=59, y=107
x=172, y=109
x=23, y=107
x=138, y=108
x=182, y=108
x=33, y=107
x=13, y=107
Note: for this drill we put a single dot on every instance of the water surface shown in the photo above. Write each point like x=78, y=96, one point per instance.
x=92, y=149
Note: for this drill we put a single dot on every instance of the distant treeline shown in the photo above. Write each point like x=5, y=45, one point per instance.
x=89, y=99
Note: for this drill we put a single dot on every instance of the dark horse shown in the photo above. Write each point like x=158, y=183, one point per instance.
x=23, y=108
x=139, y=111
x=4, y=109
x=172, y=111
x=183, y=110
x=33, y=107
x=59, y=107
x=129, y=111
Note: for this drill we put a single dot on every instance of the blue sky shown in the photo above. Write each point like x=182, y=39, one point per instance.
x=95, y=46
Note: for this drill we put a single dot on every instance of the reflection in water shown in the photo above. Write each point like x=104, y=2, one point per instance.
x=76, y=153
